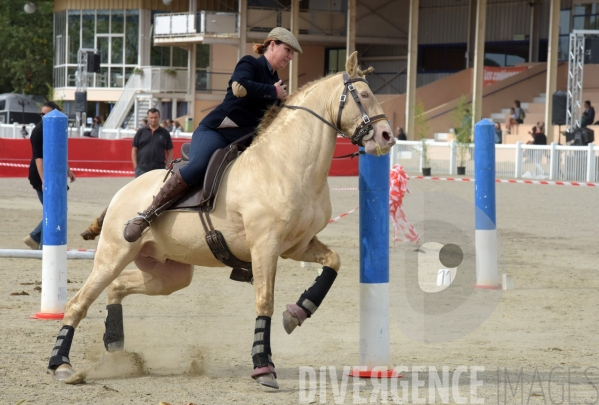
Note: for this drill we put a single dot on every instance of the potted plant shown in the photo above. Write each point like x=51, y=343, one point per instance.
x=462, y=120
x=171, y=72
x=422, y=129
x=138, y=71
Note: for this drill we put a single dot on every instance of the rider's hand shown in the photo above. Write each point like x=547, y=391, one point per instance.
x=281, y=90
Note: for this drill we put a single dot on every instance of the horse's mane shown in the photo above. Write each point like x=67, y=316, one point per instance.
x=273, y=111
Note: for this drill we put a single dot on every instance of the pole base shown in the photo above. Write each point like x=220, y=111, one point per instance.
x=375, y=374
x=488, y=287
x=47, y=316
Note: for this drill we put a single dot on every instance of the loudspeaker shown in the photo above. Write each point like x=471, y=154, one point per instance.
x=591, y=50
x=580, y=136
x=558, y=111
x=81, y=101
x=93, y=63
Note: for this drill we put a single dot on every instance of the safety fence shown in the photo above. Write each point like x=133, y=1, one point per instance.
x=552, y=162
x=14, y=131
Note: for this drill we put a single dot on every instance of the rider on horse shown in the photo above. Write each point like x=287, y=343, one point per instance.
x=254, y=87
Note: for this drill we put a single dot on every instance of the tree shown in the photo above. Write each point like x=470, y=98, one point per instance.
x=462, y=120
x=27, y=47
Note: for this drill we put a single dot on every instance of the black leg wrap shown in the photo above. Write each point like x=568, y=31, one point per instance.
x=311, y=299
x=261, y=354
x=114, y=337
x=60, y=353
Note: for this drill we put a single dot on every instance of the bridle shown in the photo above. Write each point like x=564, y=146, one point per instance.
x=365, y=126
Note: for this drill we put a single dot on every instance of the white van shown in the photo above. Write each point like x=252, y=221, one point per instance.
x=20, y=108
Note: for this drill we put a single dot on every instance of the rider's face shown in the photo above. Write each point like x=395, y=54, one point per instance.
x=280, y=55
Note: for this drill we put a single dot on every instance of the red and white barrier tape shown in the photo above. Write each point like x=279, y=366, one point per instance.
x=538, y=182
x=75, y=169
x=343, y=215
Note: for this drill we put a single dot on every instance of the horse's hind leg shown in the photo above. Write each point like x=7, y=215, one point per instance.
x=106, y=269
x=155, y=279
x=310, y=300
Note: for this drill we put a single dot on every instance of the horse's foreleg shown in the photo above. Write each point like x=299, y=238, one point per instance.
x=264, y=264
x=310, y=300
x=156, y=279
x=106, y=269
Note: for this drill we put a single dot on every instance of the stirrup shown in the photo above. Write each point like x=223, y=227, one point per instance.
x=142, y=216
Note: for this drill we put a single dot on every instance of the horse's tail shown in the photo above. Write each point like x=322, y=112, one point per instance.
x=95, y=228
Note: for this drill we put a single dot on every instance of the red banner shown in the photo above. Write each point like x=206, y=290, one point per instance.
x=112, y=158
x=496, y=74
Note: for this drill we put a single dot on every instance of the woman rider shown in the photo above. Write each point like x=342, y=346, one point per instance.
x=254, y=87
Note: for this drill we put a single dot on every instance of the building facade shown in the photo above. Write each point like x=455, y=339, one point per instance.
x=190, y=47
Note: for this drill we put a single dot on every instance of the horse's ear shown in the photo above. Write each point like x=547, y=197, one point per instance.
x=351, y=66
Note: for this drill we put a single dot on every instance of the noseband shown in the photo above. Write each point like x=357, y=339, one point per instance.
x=365, y=126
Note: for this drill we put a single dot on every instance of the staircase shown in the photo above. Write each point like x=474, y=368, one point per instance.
x=142, y=104
x=147, y=82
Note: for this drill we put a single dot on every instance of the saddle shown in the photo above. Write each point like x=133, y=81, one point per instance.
x=202, y=199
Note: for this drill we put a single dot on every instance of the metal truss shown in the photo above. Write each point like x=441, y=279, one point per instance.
x=576, y=57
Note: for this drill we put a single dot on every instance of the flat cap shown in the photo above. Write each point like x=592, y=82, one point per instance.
x=283, y=35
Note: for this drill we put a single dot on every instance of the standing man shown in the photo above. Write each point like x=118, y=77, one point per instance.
x=36, y=172
x=150, y=144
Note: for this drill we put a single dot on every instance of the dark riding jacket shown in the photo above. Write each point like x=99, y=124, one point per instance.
x=250, y=94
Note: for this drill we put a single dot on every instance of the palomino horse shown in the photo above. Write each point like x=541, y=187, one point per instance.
x=273, y=201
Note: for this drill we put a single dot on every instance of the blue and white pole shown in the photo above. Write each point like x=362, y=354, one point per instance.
x=374, y=263
x=485, y=212
x=54, y=255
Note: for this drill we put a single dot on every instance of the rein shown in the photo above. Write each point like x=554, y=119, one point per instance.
x=361, y=130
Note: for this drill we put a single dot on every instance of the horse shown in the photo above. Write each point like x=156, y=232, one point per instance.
x=273, y=201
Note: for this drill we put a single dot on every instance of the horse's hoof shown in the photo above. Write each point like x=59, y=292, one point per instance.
x=269, y=380
x=290, y=322
x=63, y=372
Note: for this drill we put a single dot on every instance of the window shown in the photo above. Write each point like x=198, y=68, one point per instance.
x=114, y=33
x=202, y=66
x=335, y=60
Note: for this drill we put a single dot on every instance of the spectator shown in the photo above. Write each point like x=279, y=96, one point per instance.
x=588, y=116
x=24, y=132
x=177, y=129
x=520, y=115
x=169, y=125
x=36, y=171
x=512, y=123
x=152, y=146
x=498, y=134
x=144, y=123
x=95, y=131
x=538, y=136
x=401, y=135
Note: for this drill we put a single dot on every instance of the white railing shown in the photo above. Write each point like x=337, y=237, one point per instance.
x=13, y=131
x=551, y=162
x=207, y=23
x=120, y=133
x=148, y=79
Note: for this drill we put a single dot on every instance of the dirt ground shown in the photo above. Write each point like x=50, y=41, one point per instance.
x=194, y=346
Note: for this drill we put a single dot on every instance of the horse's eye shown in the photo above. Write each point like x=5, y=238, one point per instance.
x=364, y=94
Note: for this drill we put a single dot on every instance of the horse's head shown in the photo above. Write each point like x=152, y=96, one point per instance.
x=361, y=114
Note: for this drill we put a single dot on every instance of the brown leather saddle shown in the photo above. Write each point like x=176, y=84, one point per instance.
x=202, y=200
